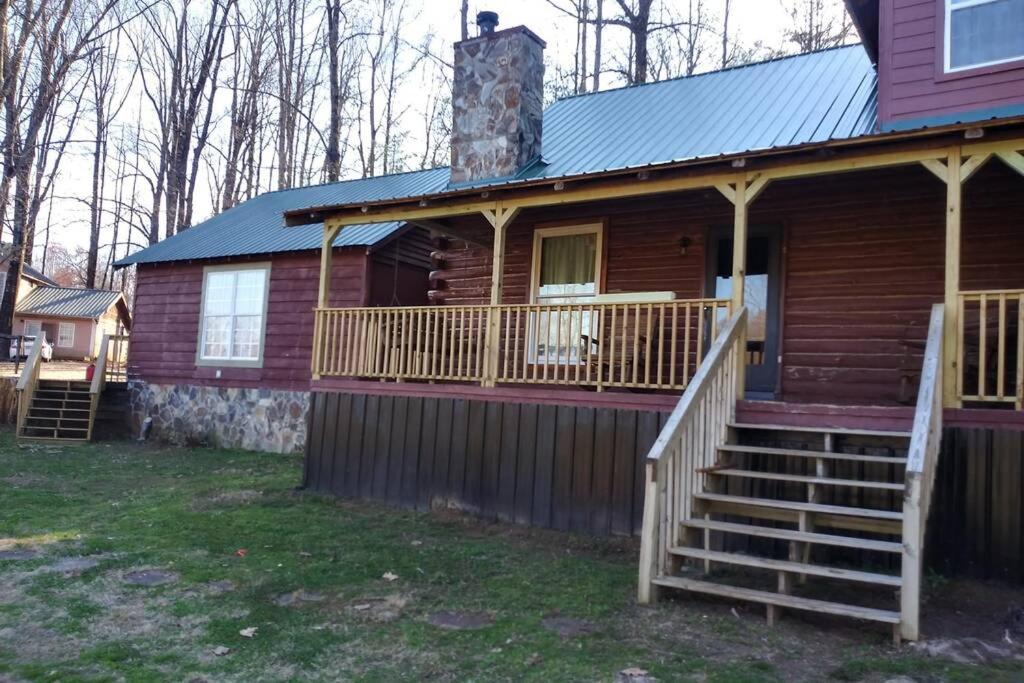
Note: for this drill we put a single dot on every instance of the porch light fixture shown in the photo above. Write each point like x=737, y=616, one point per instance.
x=485, y=194
x=643, y=175
x=423, y=202
x=739, y=163
x=559, y=186
x=364, y=209
x=684, y=244
x=974, y=133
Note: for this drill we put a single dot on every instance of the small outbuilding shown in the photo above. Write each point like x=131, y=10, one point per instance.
x=73, y=319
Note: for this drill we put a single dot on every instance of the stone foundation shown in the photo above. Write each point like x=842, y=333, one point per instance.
x=252, y=419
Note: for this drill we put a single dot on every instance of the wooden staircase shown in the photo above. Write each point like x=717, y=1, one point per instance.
x=59, y=410
x=68, y=410
x=818, y=519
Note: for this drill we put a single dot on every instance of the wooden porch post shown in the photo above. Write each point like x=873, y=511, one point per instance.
x=499, y=218
x=739, y=271
x=954, y=196
x=323, y=293
x=742, y=193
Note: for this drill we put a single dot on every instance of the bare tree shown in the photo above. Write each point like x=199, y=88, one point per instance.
x=817, y=24
x=63, y=33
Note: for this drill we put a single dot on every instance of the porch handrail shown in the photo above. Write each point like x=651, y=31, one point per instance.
x=922, y=460
x=28, y=380
x=99, y=381
x=635, y=345
x=993, y=353
x=677, y=464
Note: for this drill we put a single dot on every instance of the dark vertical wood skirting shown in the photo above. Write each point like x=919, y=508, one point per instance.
x=580, y=469
x=563, y=467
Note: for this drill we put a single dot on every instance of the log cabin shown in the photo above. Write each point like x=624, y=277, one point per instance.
x=769, y=319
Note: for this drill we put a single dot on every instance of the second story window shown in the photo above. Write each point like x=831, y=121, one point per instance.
x=983, y=33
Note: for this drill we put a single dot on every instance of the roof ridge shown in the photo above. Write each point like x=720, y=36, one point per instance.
x=771, y=60
x=343, y=182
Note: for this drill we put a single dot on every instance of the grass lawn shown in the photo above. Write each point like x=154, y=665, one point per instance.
x=243, y=550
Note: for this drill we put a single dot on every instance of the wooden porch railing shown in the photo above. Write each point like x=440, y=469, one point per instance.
x=116, y=357
x=678, y=462
x=28, y=380
x=628, y=345
x=990, y=348
x=922, y=460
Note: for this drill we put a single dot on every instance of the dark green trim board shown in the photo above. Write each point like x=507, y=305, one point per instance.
x=1008, y=111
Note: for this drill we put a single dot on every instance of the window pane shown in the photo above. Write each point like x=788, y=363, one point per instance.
x=246, y=344
x=219, y=291
x=989, y=32
x=216, y=330
x=66, y=335
x=249, y=293
x=567, y=265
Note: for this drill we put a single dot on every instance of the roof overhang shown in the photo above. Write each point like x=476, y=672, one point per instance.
x=876, y=150
x=865, y=15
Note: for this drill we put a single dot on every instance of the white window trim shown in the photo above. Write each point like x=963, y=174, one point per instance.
x=584, y=229
x=60, y=332
x=257, y=362
x=948, y=34
x=538, y=238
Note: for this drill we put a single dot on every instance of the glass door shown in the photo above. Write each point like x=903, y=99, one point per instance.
x=761, y=296
x=566, y=270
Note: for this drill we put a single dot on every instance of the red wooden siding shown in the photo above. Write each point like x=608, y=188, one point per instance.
x=912, y=84
x=166, y=329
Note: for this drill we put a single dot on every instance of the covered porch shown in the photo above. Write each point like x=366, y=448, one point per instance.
x=837, y=256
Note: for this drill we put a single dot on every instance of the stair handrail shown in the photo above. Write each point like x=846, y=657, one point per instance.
x=686, y=448
x=28, y=380
x=922, y=462
x=99, y=381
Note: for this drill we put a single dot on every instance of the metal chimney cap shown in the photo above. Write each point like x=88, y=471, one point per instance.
x=487, y=21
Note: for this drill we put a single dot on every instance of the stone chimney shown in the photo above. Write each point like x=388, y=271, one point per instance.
x=497, y=102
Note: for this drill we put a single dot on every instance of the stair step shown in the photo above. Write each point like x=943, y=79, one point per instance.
x=843, y=431
x=787, y=566
x=779, y=599
x=796, y=453
x=800, y=506
x=821, y=481
x=794, y=535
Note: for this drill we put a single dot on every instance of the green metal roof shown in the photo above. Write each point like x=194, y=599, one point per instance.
x=68, y=302
x=815, y=97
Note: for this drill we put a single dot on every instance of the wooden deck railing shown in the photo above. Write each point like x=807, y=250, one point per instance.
x=680, y=458
x=922, y=460
x=628, y=345
x=28, y=380
x=990, y=348
x=116, y=357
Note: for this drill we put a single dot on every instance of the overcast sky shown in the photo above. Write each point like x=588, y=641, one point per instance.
x=752, y=21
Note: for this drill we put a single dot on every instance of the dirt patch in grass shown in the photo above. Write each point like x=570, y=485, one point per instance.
x=222, y=499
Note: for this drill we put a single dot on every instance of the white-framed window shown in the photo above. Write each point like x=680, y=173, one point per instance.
x=233, y=315
x=566, y=270
x=66, y=335
x=983, y=33
x=33, y=328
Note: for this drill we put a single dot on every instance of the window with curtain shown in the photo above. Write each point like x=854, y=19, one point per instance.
x=567, y=273
x=233, y=315
x=983, y=33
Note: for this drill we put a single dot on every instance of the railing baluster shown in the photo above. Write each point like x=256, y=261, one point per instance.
x=982, y=344
x=1001, y=346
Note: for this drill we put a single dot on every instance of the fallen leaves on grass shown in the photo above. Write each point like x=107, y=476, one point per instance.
x=249, y=632
x=390, y=576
